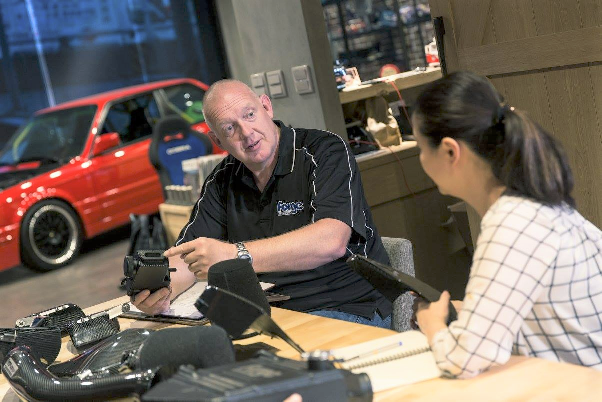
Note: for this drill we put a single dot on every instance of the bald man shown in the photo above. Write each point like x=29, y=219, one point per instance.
x=290, y=200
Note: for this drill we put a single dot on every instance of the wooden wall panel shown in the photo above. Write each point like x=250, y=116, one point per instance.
x=499, y=84
x=574, y=115
x=544, y=56
x=591, y=12
x=574, y=121
x=549, y=51
x=512, y=20
x=554, y=16
x=596, y=77
x=519, y=93
x=469, y=35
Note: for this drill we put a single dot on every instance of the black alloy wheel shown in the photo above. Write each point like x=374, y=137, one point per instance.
x=51, y=235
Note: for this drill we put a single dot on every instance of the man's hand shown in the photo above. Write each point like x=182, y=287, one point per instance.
x=154, y=303
x=201, y=253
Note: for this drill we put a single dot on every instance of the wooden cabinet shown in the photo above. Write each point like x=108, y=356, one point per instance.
x=174, y=217
x=406, y=203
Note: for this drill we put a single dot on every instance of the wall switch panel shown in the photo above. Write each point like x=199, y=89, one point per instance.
x=259, y=85
x=276, y=84
x=302, y=79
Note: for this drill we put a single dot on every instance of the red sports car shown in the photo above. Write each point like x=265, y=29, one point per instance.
x=80, y=168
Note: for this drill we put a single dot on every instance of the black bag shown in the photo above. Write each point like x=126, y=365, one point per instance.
x=147, y=233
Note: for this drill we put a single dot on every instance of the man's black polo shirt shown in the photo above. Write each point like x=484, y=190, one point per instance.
x=315, y=177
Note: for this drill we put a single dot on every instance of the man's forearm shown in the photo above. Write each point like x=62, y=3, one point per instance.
x=302, y=249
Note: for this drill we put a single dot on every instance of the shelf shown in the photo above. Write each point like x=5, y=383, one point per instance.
x=417, y=22
x=403, y=81
x=363, y=33
x=353, y=35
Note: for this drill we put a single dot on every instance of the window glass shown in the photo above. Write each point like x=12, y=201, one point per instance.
x=186, y=101
x=132, y=119
x=59, y=135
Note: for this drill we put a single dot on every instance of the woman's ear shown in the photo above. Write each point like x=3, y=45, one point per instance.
x=451, y=149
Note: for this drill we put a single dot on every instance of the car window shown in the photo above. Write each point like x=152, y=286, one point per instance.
x=60, y=135
x=132, y=119
x=185, y=100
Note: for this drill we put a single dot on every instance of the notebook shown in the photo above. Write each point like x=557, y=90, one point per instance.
x=400, y=359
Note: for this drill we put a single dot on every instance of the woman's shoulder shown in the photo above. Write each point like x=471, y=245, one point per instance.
x=511, y=206
x=522, y=224
x=523, y=214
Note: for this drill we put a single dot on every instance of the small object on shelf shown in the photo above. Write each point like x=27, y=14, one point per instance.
x=384, y=18
x=411, y=15
x=432, y=55
x=346, y=77
x=180, y=195
x=389, y=69
x=360, y=140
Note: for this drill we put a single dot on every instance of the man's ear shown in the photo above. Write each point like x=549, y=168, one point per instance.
x=451, y=149
x=214, y=138
x=266, y=102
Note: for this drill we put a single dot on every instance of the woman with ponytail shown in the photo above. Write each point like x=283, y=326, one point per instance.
x=535, y=286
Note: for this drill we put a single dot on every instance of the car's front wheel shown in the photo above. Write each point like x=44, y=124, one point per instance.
x=51, y=235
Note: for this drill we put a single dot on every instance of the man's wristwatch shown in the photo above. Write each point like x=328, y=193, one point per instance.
x=243, y=253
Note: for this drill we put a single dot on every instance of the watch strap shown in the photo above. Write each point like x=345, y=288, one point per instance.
x=242, y=252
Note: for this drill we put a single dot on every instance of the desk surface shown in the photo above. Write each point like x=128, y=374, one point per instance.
x=521, y=379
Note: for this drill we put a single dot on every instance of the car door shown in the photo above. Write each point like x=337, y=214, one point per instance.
x=124, y=178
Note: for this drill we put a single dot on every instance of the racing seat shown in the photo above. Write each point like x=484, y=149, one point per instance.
x=172, y=142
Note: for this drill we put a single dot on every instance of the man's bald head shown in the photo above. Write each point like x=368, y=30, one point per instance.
x=213, y=100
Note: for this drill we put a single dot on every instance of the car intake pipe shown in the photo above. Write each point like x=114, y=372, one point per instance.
x=32, y=381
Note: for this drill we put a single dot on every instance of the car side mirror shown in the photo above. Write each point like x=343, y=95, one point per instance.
x=104, y=142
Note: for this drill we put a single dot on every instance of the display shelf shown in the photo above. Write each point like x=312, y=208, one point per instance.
x=353, y=35
x=369, y=38
x=402, y=81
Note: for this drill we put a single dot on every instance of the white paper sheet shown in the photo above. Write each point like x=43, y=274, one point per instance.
x=183, y=305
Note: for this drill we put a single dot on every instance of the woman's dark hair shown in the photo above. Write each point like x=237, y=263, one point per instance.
x=522, y=155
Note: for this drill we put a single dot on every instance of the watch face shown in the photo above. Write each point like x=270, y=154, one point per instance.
x=245, y=256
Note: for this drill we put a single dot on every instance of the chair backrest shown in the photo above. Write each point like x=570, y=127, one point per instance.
x=402, y=259
x=174, y=141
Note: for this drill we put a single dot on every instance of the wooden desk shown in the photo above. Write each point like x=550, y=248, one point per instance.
x=522, y=379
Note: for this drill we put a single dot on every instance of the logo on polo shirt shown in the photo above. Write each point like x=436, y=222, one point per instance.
x=289, y=208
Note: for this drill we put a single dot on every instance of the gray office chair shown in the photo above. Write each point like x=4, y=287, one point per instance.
x=402, y=259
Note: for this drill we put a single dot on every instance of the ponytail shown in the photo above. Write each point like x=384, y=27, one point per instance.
x=533, y=163
x=522, y=156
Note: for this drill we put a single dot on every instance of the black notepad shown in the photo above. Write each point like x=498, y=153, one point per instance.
x=392, y=283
